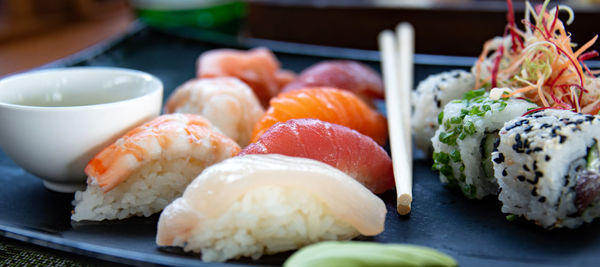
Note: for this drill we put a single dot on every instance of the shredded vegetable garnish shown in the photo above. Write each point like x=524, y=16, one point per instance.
x=539, y=63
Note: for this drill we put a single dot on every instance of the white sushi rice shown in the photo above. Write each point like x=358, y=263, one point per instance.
x=147, y=191
x=430, y=97
x=266, y=220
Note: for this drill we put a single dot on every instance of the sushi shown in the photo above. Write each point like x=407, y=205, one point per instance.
x=463, y=143
x=429, y=99
x=251, y=205
x=339, y=146
x=327, y=104
x=342, y=74
x=548, y=168
x=257, y=67
x=150, y=166
x=226, y=102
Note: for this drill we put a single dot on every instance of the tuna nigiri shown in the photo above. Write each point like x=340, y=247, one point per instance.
x=327, y=104
x=263, y=204
x=348, y=150
x=257, y=67
x=226, y=102
x=147, y=168
x=343, y=74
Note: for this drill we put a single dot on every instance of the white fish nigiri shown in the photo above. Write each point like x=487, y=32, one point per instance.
x=263, y=204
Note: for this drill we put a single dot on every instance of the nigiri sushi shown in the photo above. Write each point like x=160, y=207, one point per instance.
x=348, y=150
x=343, y=74
x=147, y=168
x=327, y=104
x=251, y=205
x=226, y=102
x=257, y=67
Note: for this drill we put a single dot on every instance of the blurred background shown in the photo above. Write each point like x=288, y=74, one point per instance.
x=36, y=32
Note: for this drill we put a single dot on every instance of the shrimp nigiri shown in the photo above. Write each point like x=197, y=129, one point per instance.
x=226, y=102
x=263, y=204
x=348, y=150
x=327, y=104
x=143, y=171
x=343, y=74
x=257, y=67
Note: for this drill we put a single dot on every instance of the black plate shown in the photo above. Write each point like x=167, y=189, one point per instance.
x=476, y=233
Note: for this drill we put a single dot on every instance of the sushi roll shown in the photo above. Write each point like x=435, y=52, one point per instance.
x=150, y=166
x=252, y=205
x=228, y=103
x=463, y=143
x=429, y=99
x=548, y=168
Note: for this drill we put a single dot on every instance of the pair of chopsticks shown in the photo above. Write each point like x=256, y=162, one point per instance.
x=397, y=51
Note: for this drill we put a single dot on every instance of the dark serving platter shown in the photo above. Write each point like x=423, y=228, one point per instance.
x=475, y=233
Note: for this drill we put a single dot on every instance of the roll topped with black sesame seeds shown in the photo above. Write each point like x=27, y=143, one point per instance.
x=463, y=143
x=430, y=97
x=548, y=167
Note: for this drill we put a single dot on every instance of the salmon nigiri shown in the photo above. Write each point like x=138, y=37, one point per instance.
x=343, y=74
x=327, y=104
x=257, y=67
x=143, y=171
x=252, y=205
x=348, y=150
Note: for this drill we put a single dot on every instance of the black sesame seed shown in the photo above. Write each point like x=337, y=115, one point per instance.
x=500, y=158
x=535, y=165
x=542, y=199
x=521, y=178
x=547, y=158
x=525, y=167
x=504, y=173
x=534, y=192
x=562, y=139
x=545, y=125
x=537, y=149
x=535, y=179
x=528, y=128
x=456, y=75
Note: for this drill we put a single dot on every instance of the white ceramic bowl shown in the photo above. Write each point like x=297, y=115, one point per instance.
x=52, y=122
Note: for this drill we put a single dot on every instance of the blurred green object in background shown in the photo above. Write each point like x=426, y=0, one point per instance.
x=195, y=13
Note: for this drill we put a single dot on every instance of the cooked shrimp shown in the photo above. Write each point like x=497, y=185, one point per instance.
x=165, y=138
x=257, y=67
x=226, y=102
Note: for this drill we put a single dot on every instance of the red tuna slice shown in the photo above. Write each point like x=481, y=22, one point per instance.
x=348, y=150
x=343, y=74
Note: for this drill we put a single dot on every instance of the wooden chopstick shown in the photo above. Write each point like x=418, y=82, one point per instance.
x=396, y=64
